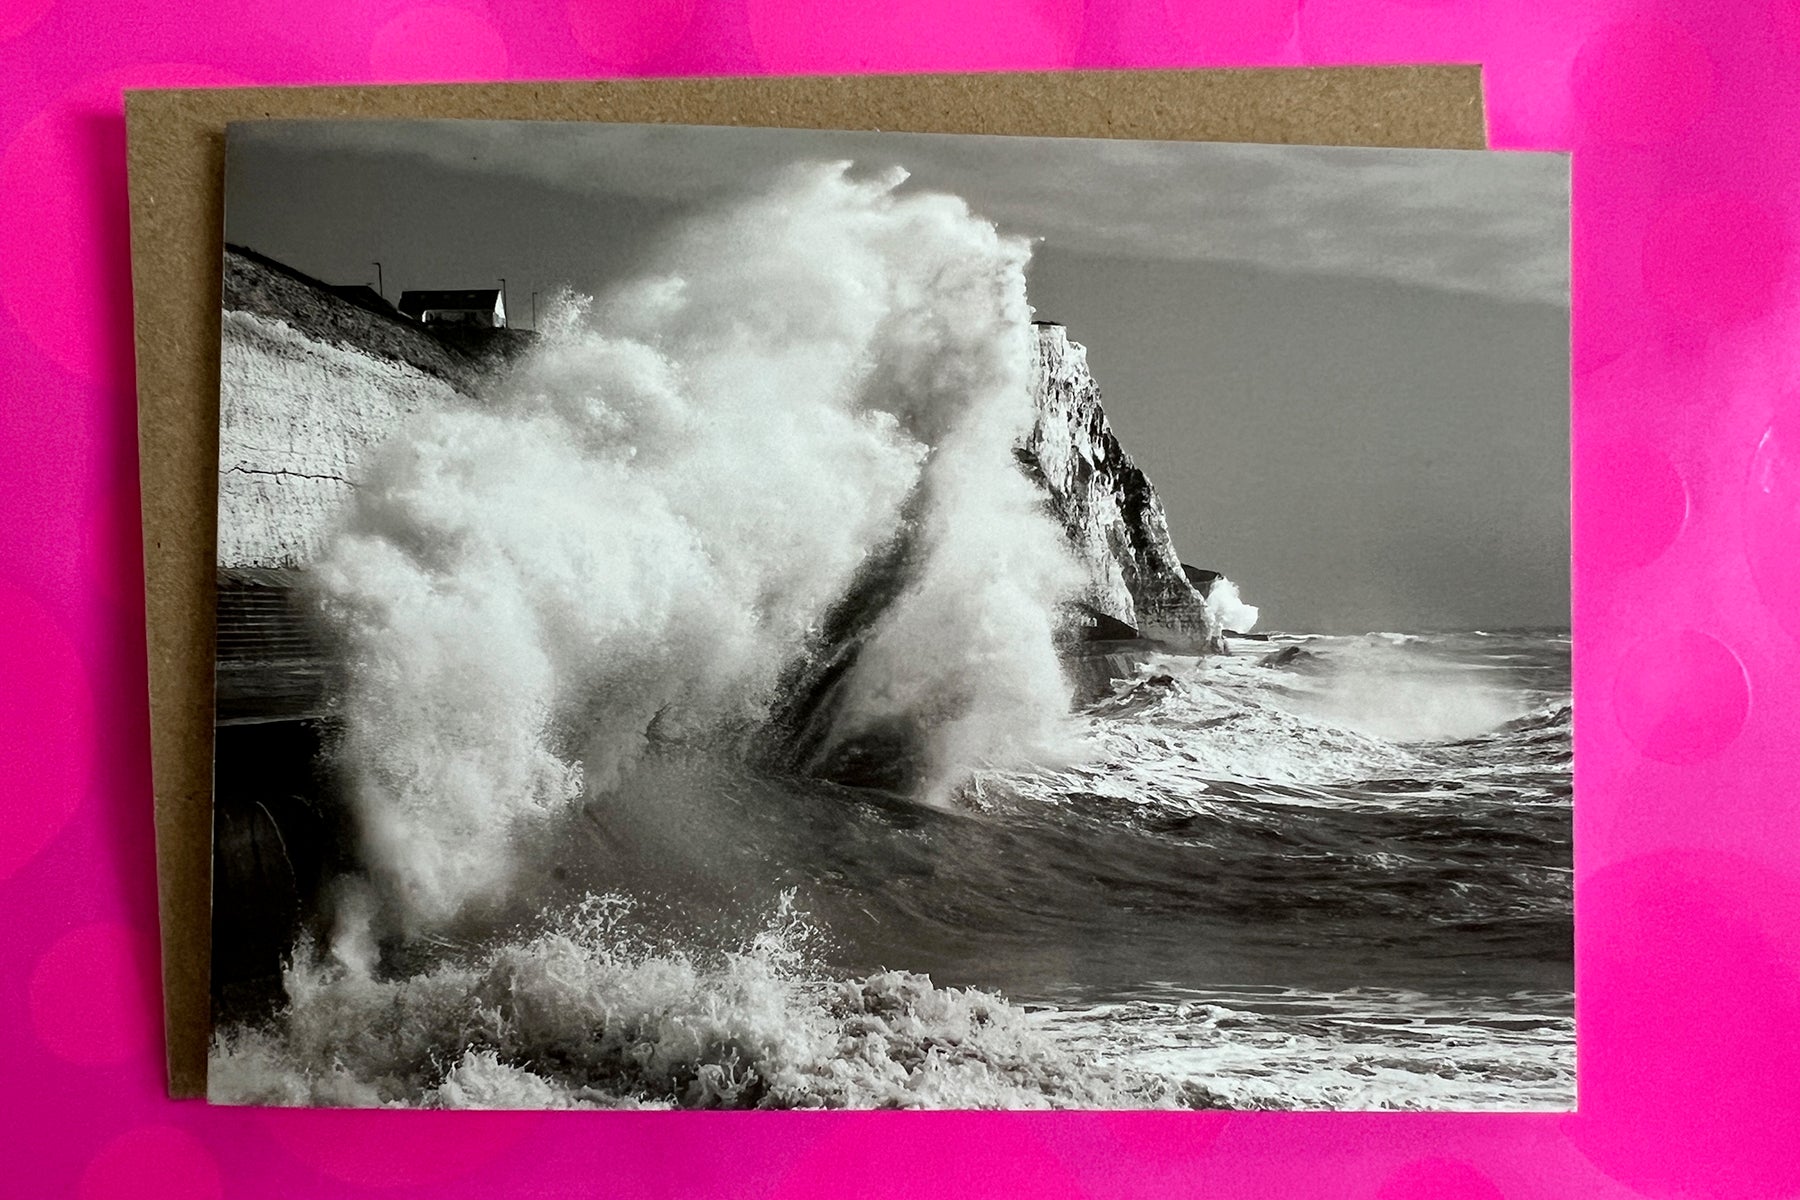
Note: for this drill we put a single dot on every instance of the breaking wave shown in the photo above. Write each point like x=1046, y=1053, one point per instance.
x=591, y=1014
x=650, y=518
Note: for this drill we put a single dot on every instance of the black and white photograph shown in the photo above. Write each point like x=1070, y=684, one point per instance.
x=768, y=619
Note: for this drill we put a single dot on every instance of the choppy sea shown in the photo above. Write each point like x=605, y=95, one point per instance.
x=1321, y=872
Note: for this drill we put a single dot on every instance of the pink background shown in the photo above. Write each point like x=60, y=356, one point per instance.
x=1685, y=121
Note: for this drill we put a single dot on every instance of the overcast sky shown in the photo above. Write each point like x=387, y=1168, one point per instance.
x=1344, y=370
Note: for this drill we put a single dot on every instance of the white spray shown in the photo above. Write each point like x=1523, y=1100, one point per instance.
x=1226, y=609
x=646, y=521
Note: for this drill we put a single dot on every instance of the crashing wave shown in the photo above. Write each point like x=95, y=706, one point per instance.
x=589, y=1014
x=656, y=511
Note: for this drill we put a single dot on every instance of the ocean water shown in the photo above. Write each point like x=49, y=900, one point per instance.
x=1323, y=872
x=1357, y=868
x=570, y=841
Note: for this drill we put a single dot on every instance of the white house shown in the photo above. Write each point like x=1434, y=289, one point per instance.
x=483, y=307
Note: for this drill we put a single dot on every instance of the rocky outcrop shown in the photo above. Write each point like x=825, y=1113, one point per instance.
x=1110, y=510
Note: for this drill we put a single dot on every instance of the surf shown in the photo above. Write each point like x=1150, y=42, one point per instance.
x=588, y=1013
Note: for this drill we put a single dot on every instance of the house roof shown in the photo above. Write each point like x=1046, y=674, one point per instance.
x=475, y=300
x=358, y=293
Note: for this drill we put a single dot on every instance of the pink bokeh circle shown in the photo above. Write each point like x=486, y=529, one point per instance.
x=395, y=1149
x=158, y=1162
x=1231, y=33
x=46, y=729
x=1631, y=506
x=1438, y=1179
x=625, y=35
x=1687, y=1008
x=58, y=463
x=1772, y=518
x=1642, y=82
x=942, y=1154
x=940, y=35
x=1681, y=697
x=92, y=995
x=64, y=256
x=437, y=43
x=1715, y=259
x=1391, y=31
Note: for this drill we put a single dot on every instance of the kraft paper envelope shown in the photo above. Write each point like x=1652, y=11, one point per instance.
x=176, y=145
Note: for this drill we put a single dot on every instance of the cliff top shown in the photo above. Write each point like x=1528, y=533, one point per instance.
x=354, y=317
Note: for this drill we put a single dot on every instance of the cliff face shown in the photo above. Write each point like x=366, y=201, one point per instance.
x=311, y=377
x=295, y=417
x=1110, y=510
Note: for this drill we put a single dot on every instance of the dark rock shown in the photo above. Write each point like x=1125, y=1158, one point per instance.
x=1201, y=578
x=1085, y=623
x=1291, y=658
x=280, y=830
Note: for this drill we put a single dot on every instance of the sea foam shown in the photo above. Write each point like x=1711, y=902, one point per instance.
x=590, y=1014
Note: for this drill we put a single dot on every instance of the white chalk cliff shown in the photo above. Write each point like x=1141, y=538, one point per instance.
x=1109, y=508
